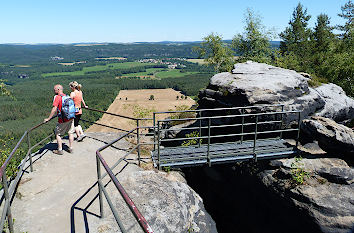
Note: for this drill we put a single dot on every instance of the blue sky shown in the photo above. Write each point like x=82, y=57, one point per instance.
x=64, y=21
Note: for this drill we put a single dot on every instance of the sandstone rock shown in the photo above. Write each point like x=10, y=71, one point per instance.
x=165, y=200
x=327, y=195
x=330, y=135
x=338, y=106
x=252, y=83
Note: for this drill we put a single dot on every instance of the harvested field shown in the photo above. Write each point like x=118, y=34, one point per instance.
x=199, y=61
x=111, y=58
x=136, y=103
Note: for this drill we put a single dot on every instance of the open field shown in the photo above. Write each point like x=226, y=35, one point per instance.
x=124, y=65
x=158, y=73
x=148, y=73
x=111, y=58
x=138, y=105
x=199, y=61
x=67, y=63
x=23, y=66
x=172, y=74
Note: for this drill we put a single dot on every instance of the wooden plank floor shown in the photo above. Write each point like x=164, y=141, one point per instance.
x=222, y=153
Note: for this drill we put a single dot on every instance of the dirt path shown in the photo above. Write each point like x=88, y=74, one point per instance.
x=136, y=103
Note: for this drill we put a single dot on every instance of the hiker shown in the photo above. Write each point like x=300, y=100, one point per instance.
x=77, y=96
x=64, y=125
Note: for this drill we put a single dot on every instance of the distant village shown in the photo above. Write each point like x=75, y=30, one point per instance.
x=170, y=64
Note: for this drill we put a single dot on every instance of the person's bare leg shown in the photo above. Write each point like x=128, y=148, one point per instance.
x=80, y=130
x=77, y=131
x=71, y=140
x=59, y=142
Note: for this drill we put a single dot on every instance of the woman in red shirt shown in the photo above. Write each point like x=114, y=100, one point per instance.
x=77, y=96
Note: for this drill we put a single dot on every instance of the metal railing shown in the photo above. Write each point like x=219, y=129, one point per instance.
x=8, y=190
x=248, y=126
x=136, y=132
x=200, y=112
x=100, y=160
x=9, y=186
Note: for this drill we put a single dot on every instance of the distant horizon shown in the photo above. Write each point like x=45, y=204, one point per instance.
x=104, y=43
x=111, y=21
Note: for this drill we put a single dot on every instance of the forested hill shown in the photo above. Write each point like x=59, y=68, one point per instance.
x=42, y=53
x=31, y=54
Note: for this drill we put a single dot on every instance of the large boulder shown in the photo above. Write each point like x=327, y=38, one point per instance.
x=331, y=137
x=326, y=197
x=338, y=106
x=253, y=83
x=165, y=200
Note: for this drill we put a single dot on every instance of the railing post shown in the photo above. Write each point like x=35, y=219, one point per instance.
x=255, y=140
x=153, y=119
x=281, y=124
x=208, y=153
x=158, y=145
x=243, y=122
x=200, y=127
x=29, y=150
x=298, y=130
x=7, y=198
x=99, y=186
x=138, y=140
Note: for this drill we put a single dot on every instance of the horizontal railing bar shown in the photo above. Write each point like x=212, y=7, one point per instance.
x=228, y=116
x=229, y=135
x=220, y=126
x=104, y=125
x=40, y=124
x=4, y=165
x=277, y=131
x=246, y=124
x=219, y=109
x=115, y=213
x=38, y=143
x=139, y=217
x=117, y=115
x=120, y=160
x=115, y=140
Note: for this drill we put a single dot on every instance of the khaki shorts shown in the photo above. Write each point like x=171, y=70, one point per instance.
x=63, y=128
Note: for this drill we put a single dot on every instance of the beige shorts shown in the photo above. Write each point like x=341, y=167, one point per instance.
x=63, y=128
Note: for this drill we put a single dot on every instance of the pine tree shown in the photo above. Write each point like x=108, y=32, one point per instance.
x=323, y=35
x=296, y=35
x=348, y=27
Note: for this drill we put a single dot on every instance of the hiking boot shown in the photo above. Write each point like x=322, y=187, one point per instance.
x=58, y=152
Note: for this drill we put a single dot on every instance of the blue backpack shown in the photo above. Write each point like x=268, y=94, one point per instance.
x=67, y=111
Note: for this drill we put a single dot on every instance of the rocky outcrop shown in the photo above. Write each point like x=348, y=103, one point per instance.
x=331, y=137
x=166, y=201
x=338, y=106
x=268, y=198
x=252, y=83
x=327, y=195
